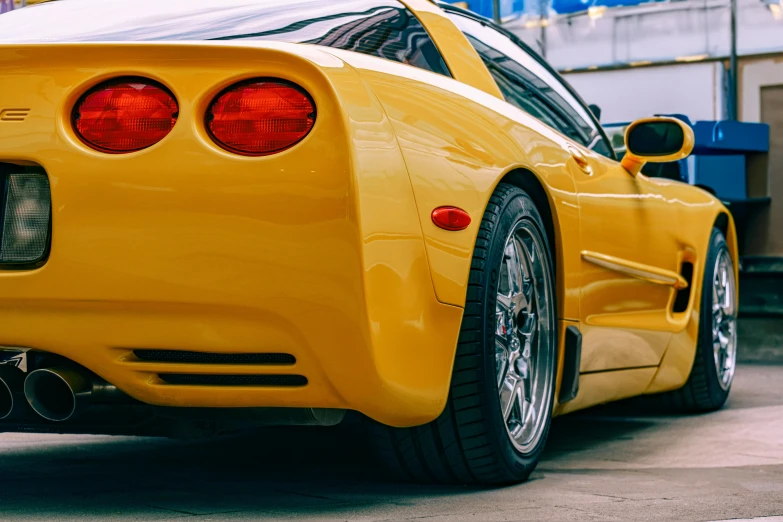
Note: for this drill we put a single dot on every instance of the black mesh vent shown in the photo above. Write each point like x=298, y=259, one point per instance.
x=234, y=380
x=25, y=215
x=684, y=295
x=176, y=356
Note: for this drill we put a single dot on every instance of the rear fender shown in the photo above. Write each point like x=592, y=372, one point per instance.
x=459, y=143
x=321, y=243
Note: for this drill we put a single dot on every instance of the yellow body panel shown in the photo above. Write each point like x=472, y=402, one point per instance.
x=184, y=246
x=327, y=251
x=462, y=59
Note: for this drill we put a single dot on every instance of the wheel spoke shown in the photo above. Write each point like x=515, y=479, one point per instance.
x=531, y=414
x=509, y=391
x=506, y=304
x=515, y=292
x=526, y=334
x=501, y=358
x=519, y=403
x=528, y=260
x=527, y=388
x=723, y=339
x=727, y=307
x=725, y=302
x=516, y=429
x=522, y=301
x=529, y=247
x=514, y=269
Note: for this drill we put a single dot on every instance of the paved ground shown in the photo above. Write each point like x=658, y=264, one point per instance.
x=610, y=464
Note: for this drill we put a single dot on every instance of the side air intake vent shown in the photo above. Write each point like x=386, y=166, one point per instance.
x=234, y=380
x=684, y=296
x=176, y=356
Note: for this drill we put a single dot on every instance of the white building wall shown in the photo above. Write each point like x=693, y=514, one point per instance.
x=654, y=32
x=625, y=95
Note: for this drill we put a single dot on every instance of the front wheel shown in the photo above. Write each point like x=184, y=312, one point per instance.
x=499, y=408
x=716, y=354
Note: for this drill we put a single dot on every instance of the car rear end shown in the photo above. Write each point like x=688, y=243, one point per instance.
x=203, y=267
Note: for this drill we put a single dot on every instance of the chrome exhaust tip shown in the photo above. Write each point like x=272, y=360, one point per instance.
x=57, y=394
x=11, y=394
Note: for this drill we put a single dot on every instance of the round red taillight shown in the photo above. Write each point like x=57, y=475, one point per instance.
x=451, y=218
x=125, y=115
x=260, y=117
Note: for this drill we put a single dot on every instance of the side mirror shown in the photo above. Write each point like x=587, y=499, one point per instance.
x=656, y=140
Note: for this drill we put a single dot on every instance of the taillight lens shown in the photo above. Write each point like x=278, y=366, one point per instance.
x=125, y=115
x=260, y=117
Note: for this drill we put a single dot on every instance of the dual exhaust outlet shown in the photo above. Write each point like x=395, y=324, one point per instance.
x=61, y=394
x=56, y=394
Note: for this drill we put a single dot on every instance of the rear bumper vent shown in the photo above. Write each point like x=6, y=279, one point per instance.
x=176, y=356
x=234, y=380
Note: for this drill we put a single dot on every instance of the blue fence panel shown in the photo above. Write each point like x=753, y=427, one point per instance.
x=534, y=7
x=6, y=5
x=482, y=7
x=571, y=6
x=507, y=7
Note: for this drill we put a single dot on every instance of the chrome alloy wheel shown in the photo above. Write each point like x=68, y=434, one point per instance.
x=724, y=318
x=524, y=337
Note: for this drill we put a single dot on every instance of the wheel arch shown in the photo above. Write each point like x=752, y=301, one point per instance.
x=529, y=182
x=725, y=223
x=540, y=193
x=722, y=223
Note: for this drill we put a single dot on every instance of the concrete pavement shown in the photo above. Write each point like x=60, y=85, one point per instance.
x=615, y=463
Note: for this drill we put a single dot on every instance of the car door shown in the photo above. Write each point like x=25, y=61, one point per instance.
x=627, y=249
x=629, y=262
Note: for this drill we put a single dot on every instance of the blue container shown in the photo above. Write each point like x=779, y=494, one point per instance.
x=726, y=175
x=6, y=5
x=507, y=7
x=727, y=137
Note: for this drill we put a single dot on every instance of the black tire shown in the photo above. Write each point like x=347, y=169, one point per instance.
x=469, y=443
x=703, y=392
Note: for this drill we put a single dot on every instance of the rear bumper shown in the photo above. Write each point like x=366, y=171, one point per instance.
x=237, y=269
x=317, y=251
x=342, y=368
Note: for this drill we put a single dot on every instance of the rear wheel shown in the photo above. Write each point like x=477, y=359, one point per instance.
x=499, y=408
x=716, y=354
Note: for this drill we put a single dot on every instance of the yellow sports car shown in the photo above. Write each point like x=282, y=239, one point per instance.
x=254, y=212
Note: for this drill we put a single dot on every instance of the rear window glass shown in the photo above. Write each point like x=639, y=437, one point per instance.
x=382, y=28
